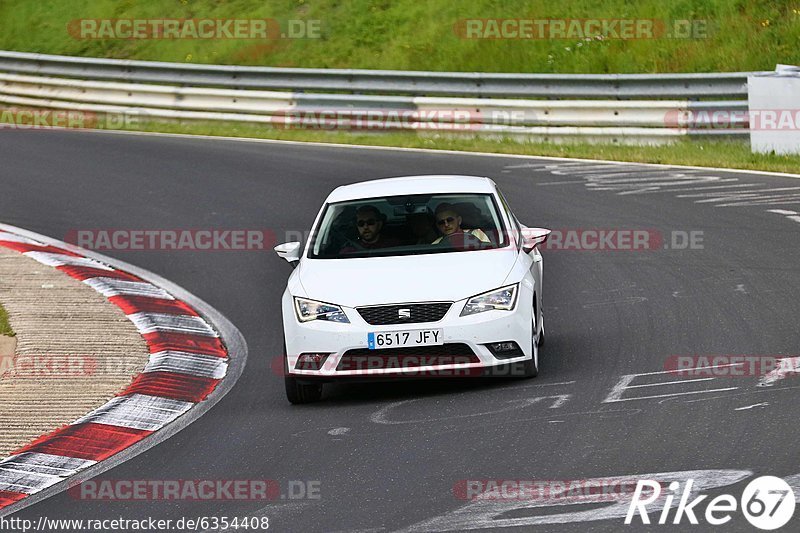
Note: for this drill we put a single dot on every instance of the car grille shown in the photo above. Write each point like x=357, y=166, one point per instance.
x=390, y=314
x=444, y=354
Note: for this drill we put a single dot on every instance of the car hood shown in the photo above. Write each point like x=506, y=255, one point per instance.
x=414, y=278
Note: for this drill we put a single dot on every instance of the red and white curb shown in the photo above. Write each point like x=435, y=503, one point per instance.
x=188, y=361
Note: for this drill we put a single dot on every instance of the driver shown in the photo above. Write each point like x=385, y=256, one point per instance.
x=448, y=221
x=369, y=222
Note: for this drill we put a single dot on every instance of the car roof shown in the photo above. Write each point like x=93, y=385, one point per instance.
x=431, y=184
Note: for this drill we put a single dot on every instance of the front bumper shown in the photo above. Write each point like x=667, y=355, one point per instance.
x=474, y=331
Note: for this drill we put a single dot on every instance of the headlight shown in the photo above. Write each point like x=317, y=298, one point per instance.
x=308, y=310
x=502, y=299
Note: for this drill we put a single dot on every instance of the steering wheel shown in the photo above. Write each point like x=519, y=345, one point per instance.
x=351, y=246
x=464, y=241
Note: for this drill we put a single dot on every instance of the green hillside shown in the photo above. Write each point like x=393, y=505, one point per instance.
x=723, y=35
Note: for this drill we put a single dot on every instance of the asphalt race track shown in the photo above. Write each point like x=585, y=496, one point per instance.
x=386, y=457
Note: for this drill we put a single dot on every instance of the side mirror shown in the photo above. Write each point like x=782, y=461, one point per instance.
x=533, y=237
x=289, y=251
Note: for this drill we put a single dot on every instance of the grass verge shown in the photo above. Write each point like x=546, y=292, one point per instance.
x=5, y=327
x=694, y=35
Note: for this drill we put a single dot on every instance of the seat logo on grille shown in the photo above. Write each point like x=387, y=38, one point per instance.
x=404, y=314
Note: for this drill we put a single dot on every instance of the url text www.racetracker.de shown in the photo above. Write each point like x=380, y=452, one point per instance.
x=201, y=523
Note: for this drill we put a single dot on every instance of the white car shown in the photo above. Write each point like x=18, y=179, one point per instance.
x=412, y=276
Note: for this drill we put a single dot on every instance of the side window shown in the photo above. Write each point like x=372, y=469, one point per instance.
x=517, y=229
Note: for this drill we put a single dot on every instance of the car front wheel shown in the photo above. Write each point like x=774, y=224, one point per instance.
x=531, y=366
x=540, y=342
x=297, y=392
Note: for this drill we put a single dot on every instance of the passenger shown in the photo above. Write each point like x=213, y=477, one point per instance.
x=448, y=221
x=369, y=222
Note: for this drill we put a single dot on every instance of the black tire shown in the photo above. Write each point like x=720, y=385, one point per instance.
x=299, y=393
x=540, y=341
x=541, y=335
x=530, y=369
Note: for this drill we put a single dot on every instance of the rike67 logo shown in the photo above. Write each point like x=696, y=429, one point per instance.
x=767, y=502
x=656, y=501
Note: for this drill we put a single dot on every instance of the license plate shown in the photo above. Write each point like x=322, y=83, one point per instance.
x=401, y=339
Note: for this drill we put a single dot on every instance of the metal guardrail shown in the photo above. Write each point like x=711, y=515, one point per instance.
x=615, y=108
x=475, y=84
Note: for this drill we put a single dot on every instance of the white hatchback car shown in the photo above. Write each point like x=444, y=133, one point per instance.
x=412, y=276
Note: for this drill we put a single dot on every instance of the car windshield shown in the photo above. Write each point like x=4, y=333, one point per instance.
x=408, y=225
